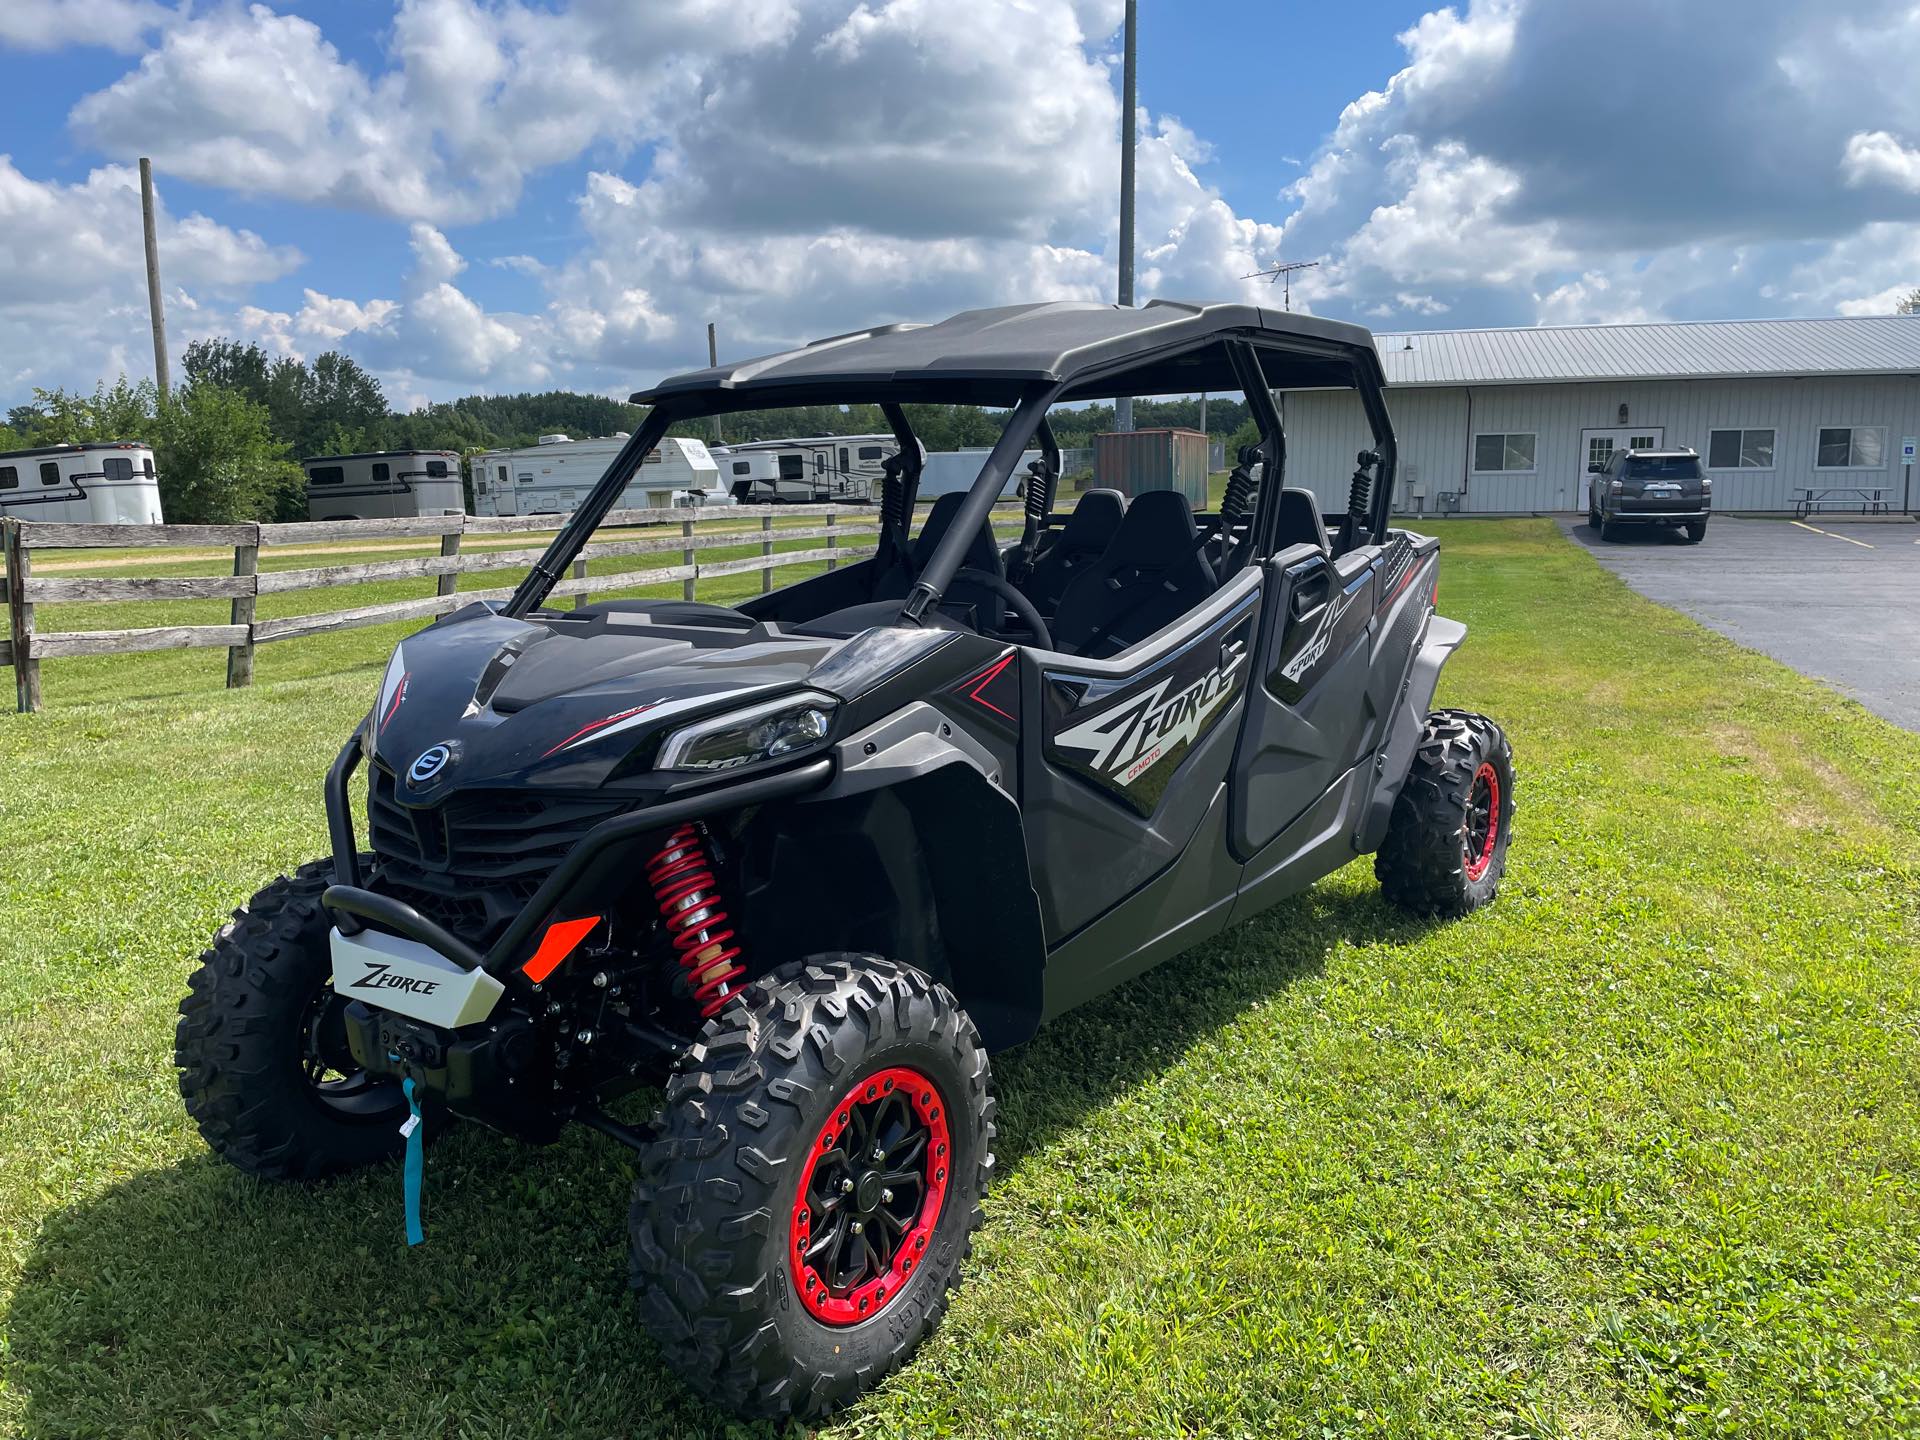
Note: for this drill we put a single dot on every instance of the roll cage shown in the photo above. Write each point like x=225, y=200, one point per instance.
x=1247, y=358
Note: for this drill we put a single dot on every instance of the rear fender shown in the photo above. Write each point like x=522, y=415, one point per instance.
x=914, y=851
x=1394, y=758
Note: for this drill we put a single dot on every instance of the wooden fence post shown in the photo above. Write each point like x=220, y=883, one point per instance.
x=449, y=548
x=26, y=669
x=246, y=561
x=833, y=541
x=579, y=573
x=766, y=551
x=687, y=558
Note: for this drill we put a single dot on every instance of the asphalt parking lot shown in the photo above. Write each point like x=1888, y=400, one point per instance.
x=1838, y=601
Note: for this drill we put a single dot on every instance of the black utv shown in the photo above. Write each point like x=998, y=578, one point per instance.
x=808, y=861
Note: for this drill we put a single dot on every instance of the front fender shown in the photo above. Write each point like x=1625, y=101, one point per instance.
x=1395, y=756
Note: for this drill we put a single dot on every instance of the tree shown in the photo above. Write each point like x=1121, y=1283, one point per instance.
x=120, y=411
x=219, y=460
x=1909, y=304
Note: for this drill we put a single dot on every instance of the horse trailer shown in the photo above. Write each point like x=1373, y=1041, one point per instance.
x=383, y=485
x=806, y=471
x=551, y=477
x=108, y=483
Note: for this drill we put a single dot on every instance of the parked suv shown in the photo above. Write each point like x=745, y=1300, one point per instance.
x=1650, y=487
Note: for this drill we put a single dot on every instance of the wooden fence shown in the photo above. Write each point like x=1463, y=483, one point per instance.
x=25, y=646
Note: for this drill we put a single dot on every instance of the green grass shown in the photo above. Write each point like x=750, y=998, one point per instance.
x=1634, y=1152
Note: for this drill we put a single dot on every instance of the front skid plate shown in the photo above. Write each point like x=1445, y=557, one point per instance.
x=404, y=976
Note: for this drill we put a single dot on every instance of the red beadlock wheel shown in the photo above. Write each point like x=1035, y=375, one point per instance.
x=1483, y=821
x=870, y=1195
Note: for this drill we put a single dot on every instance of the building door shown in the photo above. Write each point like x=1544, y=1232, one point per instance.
x=1597, y=447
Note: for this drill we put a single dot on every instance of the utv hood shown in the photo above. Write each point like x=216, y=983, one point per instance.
x=574, y=700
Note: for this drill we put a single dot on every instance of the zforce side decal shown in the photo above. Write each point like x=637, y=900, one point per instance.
x=1127, y=740
x=1131, y=735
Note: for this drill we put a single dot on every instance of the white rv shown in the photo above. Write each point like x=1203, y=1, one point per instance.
x=97, y=484
x=949, y=470
x=805, y=471
x=554, y=476
x=384, y=485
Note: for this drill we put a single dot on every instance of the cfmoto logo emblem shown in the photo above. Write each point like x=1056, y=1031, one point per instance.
x=429, y=763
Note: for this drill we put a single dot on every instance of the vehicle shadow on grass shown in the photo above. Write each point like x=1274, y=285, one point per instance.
x=192, y=1300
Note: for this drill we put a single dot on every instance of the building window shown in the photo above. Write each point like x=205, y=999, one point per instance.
x=9, y=477
x=1852, y=447
x=49, y=472
x=326, y=475
x=436, y=469
x=117, y=467
x=1502, y=452
x=1740, y=450
x=870, y=452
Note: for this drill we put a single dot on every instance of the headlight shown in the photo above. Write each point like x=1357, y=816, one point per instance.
x=787, y=726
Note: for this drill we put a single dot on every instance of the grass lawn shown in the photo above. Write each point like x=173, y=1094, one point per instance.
x=1636, y=1151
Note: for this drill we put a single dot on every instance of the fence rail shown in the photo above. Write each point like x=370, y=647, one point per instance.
x=848, y=533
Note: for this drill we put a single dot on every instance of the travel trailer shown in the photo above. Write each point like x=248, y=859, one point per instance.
x=111, y=483
x=806, y=471
x=383, y=485
x=551, y=477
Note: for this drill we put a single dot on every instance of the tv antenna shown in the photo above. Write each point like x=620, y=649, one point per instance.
x=1283, y=272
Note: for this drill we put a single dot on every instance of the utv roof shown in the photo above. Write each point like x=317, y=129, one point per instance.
x=993, y=356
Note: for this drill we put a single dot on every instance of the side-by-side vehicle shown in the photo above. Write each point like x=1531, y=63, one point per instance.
x=809, y=860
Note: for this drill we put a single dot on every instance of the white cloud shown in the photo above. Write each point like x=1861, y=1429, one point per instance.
x=52, y=24
x=1875, y=157
x=73, y=282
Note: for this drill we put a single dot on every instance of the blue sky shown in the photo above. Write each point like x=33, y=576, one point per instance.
x=497, y=195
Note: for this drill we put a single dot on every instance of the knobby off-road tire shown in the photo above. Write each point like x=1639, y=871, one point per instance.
x=264, y=1068
x=1446, y=845
x=733, y=1217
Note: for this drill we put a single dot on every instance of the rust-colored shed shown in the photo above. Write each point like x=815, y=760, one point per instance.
x=1135, y=461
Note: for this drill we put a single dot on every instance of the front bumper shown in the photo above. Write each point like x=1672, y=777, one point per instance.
x=354, y=907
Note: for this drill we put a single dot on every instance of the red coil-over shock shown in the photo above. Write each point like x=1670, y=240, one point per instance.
x=695, y=917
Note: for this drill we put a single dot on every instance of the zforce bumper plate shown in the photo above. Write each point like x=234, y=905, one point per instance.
x=404, y=976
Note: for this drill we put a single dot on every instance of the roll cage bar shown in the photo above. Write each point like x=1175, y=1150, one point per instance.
x=1366, y=517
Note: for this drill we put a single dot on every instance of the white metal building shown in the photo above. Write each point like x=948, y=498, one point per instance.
x=108, y=483
x=554, y=476
x=1507, y=421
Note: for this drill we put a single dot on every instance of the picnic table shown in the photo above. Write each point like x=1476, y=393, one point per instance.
x=1872, y=499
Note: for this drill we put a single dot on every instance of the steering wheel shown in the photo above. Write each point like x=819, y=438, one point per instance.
x=1018, y=603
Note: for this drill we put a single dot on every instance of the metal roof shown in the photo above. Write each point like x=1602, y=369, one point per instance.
x=1694, y=350
x=1015, y=346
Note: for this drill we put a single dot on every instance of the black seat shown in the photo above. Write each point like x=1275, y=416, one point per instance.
x=1151, y=574
x=983, y=553
x=1081, y=541
x=1300, y=522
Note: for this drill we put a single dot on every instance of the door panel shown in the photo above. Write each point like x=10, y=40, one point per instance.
x=1129, y=754
x=1307, y=718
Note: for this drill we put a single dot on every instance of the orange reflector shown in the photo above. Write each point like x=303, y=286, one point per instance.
x=556, y=945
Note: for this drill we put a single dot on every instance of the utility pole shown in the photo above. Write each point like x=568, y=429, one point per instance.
x=713, y=362
x=155, y=305
x=1129, y=85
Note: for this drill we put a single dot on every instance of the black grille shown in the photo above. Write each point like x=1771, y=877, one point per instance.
x=472, y=862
